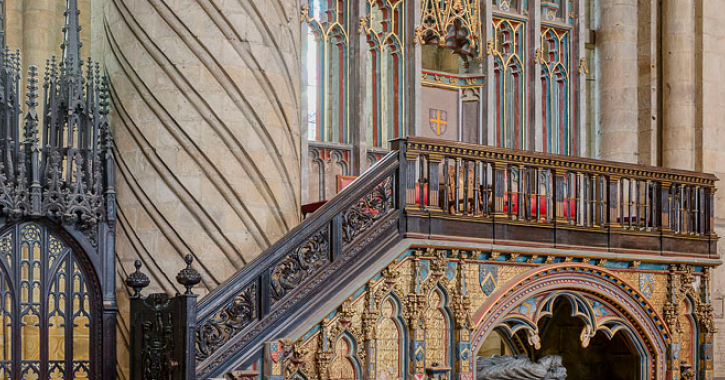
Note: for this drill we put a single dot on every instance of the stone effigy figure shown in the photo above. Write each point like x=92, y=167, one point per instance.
x=519, y=368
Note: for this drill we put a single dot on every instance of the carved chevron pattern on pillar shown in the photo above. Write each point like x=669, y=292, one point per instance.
x=205, y=97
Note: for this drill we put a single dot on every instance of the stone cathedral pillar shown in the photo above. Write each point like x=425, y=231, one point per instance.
x=617, y=42
x=678, y=52
x=205, y=110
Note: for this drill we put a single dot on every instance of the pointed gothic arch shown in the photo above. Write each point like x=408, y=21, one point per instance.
x=390, y=327
x=345, y=363
x=525, y=302
x=439, y=327
x=49, y=279
x=689, y=325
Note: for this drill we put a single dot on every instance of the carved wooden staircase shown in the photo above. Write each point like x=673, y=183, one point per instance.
x=424, y=189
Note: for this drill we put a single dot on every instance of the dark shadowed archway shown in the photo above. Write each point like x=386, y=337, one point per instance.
x=606, y=306
x=603, y=359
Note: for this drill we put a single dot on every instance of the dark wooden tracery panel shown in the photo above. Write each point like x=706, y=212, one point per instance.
x=48, y=312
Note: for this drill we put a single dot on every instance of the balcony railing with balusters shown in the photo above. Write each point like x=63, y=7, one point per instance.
x=475, y=191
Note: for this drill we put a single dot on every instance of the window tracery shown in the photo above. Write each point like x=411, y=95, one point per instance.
x=328, y=61
x=555, y=90
x=509, y=57
x=383, y=26
x=513, y=88
x=557, y=46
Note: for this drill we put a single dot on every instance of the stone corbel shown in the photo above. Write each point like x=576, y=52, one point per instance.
x=361, y=28
x=418, y=39
x=586, y=336
x=539, y=57
x=489, y=47
x=534, y=339
x=305, y=13
x=583, y=66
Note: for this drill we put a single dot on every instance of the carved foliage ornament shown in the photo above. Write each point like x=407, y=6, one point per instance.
x=340, y=349
x=391, y=303
x=220, y=327
x=158, y=340
x=300, y=264
x=363, y=214
x=455, y=24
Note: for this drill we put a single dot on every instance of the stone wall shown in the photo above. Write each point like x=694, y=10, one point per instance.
x=206, y=122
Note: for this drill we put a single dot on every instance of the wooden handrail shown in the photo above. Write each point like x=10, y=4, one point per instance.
x=555, y=161
x=256, y=290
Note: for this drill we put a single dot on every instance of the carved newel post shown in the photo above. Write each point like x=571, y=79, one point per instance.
x=163, y=328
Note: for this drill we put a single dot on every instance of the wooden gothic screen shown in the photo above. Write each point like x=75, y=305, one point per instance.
x=57, y=218
x=528, y=56
x=50, y=307
x=515, y=75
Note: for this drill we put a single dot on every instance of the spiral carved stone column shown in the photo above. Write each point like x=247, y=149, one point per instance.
x=205, y=98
